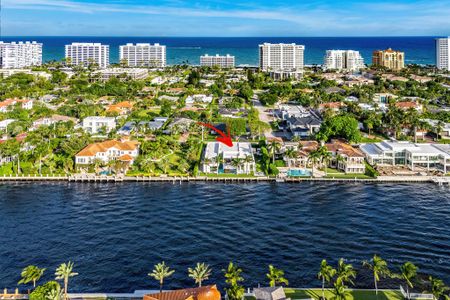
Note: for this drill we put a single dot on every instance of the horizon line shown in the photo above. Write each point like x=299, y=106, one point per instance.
x=226, y=37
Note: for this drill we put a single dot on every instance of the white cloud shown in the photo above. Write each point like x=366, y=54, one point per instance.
x=311, y=18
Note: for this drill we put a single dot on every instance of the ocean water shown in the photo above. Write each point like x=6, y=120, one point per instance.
x=115, y=233
x=419, y=50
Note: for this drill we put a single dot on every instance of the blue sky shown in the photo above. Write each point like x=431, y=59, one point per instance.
x=226, y=18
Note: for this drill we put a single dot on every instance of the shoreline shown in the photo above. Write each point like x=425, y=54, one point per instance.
x=441, y=181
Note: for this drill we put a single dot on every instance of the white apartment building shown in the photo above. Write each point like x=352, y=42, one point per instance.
x=143, y=55
x=85, y=54
x=443, y=54
x=223, y=61
x=345, y=60
x=95, y=124
x=122, y=74
x=20, y=55
x=283, y=60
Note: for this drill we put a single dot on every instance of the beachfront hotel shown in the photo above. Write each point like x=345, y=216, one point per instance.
x=222, y=61
x=143, y=55
x=20, y=55
x=282, y=60
x=343, y=60
x=84, y=54
x=443, y=54
x=391, y=59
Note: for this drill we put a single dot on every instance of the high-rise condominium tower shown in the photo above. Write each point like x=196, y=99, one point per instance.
x=391, y=59
x=347, y=60
x=85, y=54
x=223, y=61
x=283, y=60
x=443, y=54
x=20, y=55
x=143, y=55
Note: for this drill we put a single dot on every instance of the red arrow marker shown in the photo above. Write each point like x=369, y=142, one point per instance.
x=225, y=139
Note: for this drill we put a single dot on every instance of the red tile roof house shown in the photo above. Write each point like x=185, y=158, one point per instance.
x=6, y=105
x=124, y=151
x=408, y=105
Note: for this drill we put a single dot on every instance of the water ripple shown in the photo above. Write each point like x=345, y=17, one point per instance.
x=115, y=233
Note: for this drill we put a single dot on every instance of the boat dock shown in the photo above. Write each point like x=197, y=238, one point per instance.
x=91, y=178
x=442, y=181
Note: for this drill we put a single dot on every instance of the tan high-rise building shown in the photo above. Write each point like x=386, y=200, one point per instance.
x=391, y=59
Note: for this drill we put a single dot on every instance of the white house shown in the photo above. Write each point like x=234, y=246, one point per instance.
x=219, y=158
x=6, y=105
x=47, y=121
x=198, y=99
x=414, y=156
x=300, y=121
x=94, y=124
x=5, y=123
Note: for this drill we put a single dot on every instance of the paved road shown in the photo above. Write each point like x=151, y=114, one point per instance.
x=264, y=116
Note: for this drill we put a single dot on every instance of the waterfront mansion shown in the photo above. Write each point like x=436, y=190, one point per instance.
x=428, y=157
x=221, y=159
x=125, y=151
x=344, y=157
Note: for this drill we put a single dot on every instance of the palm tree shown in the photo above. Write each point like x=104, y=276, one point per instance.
x=55, y=293
x=313, y=158
x=339, y=291
x=408, y=271
x=236, y=162
x=379, y=268
x=232, y=278
x=219, y=160
x=233, y=274
x=160, y=272
x=201, y=272
x=64, y=272
x=291, y=154
x=31, y=274
x=248, y=160
x=438, y=287
x=345, y=272
x=439, y=127
x=276, y=276
x=326, y=273
x=273, y=148
x=325, y=157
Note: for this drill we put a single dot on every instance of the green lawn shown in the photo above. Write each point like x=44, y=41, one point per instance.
x=295, y=294
x=366, y=140
x=334, y=173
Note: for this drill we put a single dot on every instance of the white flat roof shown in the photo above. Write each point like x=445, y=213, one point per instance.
x=396, y=146
x=238, y=150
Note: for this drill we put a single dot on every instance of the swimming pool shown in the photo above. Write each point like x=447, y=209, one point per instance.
x=298, y=173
